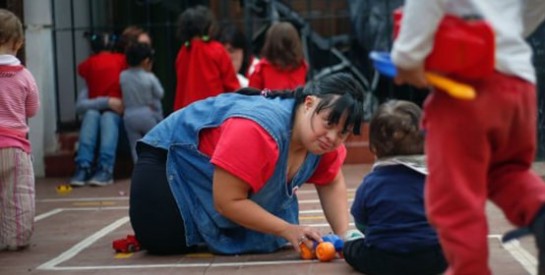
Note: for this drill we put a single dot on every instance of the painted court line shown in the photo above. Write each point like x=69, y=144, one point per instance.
x=51, y=265
x=231, y=264
x=514, y=248
x=48, y=214
x=527, y=260
x=73, y=251
x=59, y=210
x=126, y=198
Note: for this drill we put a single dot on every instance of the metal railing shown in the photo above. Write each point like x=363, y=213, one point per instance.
x=325, y=27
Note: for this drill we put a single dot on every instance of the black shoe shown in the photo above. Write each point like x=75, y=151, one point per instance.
x=537, y=228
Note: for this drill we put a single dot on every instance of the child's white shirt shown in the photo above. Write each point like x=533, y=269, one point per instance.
x=510, y=19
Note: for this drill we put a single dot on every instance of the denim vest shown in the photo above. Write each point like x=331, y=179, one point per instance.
x=189, y=172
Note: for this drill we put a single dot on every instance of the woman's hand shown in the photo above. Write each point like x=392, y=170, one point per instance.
x=297, y=234
x=231, y=200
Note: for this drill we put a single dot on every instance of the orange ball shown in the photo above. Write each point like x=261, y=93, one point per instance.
x=325, y=251
x=306, y=253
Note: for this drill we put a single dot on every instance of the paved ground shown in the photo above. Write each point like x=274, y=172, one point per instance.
x=74, y=234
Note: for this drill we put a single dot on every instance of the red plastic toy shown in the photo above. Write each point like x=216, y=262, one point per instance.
x=462, y=47
x=126, y=245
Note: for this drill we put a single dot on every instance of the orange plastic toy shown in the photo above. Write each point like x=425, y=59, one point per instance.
x=325, y=251
x=306, y=252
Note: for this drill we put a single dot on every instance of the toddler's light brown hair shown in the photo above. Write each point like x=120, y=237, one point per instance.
x=394, y=129
x=11, y=28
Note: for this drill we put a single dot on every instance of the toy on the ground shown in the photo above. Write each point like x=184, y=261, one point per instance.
x=324, y=251
x=64, y=189
x=126, y=245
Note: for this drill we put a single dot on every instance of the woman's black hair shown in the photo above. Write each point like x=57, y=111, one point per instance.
x=230, y=34
x=138, y=52
x=339, y=92
x=196, y=21
x=394, y=129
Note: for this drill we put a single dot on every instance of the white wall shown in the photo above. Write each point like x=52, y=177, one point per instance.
x=39, y=60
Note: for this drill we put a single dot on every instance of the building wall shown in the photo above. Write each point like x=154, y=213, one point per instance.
x=39, y=60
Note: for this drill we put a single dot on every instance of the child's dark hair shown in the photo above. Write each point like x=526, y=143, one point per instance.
x=11, y=28
x=283, y=46
x=339, y=92
x=394, y=129
x=129, y=36
x=138, y=52
x=196, y=21
x=99, y=41
x=230, y=34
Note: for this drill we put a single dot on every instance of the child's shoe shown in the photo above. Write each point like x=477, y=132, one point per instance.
x=537, y=227
x=81, y=176
x=102, y=177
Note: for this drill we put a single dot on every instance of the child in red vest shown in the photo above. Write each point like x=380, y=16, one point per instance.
x=282, y=65
x=483, y=148
x=203, y=67
x=101, y=107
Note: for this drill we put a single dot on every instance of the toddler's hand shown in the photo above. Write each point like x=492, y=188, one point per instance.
x=115, y=104
x=414, y=77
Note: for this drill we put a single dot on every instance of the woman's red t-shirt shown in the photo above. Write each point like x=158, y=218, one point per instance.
x=253, y=157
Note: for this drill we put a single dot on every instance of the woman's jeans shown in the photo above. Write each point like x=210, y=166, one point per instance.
x=95, y=125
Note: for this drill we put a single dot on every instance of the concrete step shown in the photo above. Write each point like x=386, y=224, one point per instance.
x=61, y=163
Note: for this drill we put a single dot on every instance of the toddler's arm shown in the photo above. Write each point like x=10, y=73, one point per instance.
x=32, y=103
x=157, y=88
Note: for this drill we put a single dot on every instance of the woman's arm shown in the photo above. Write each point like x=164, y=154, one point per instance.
x=231, y=200
x=83, y=103
x=333, y=199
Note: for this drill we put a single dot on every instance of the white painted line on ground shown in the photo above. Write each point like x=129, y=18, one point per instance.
x=229, y=264
x=521, y=255
x=73, y=251
x=313, y=191
x=527, y=260
x=322, y=224
x=126, y=198
x=123, y=198
x=316, y=201
x=96, y=208
x=47, y=214
x=232, y=264
x=59, y=210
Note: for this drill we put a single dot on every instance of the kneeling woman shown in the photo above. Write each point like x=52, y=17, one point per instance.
x=223, y=172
